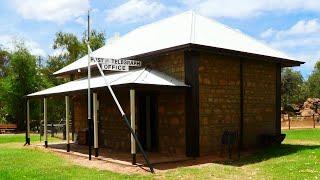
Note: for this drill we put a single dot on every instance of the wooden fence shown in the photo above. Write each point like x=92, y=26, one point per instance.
x=298, y=121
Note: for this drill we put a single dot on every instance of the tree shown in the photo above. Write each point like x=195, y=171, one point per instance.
x=22, y=78
x=292, y=87
x=4, y=60
x=3, y=72
x=73, y=48
x=97, y=40
x=313, y=82
x=76, y=48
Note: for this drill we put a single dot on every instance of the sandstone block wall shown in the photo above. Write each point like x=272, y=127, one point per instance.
x=259, y=100
x=171, y=64
x=171, y=111
x=219, y=93
x=171, y=123
x=80, y=112
x=113, y=132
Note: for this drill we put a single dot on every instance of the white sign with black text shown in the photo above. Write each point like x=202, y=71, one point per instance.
x=113, y=67
x=116, y=64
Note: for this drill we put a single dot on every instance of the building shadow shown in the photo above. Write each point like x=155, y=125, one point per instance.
x=165, y=162
x=247, y=157
x=269, y=153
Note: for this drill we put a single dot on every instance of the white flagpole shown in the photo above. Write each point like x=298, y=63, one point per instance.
x=122, y=113
x=89, y=91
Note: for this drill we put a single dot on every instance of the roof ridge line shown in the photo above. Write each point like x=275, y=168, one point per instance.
x=243, y=34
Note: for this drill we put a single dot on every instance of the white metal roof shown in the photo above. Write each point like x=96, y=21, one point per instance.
x=138, y=76
x=174, y=31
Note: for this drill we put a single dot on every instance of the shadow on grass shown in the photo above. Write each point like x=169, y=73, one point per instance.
x=269, y=153
x=259, y=155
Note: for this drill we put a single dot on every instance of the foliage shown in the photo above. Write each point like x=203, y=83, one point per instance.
x=73, y=48
x=76, y=48
x=97, y=40
x=4, y=59
x=313, y=82
x=20, y=75
x=70, y=43
x=293, y=89
x=22, y=78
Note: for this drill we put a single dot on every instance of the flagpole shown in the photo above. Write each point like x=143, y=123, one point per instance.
x=89, y=92
x=124, y=117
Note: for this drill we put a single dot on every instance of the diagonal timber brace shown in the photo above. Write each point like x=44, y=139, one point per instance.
x=124, y=117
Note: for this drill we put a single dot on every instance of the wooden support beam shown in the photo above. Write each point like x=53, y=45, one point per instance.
x=45, y=122
x=67, y=99
x=191, y=62
x=28, y=123
x=95, y=124
x=278, y=100
x=241, y=108
x=133, y=125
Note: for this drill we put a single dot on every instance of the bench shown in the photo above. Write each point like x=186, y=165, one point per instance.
x=7, y=128
x=229, y=139
x=269, y=139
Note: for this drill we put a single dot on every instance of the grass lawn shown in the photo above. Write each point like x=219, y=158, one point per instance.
x=297, y=158
x=12, y=138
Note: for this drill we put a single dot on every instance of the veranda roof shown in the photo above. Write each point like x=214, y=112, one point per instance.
x=183, y=29
x=135, y=77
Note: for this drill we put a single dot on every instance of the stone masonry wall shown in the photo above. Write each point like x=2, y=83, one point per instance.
x=259, y=101
x=80, y=112
x=171, y=123
x=219, y=95
x=219, y=91
x=172, y=64
x=113, y=132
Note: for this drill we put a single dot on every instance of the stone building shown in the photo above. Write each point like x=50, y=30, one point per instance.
x=198, y=79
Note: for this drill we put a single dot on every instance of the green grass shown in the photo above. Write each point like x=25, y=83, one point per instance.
x=17, y=163
x=11, y=138
x=297, y=158
x=303, y=134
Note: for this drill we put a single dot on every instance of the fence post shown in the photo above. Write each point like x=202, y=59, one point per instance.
x=314, y=121
x=64, y=133
x=289, y=121
x=52, y=130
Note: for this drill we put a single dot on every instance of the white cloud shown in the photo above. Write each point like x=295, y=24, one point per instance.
x=302, y=33
x=268, y=33
x=310, y=58
x=135, y=11
x=249, y=8
x=35, y=48
x=301, y=40
x=8, y=42
x=81, y=21
x=59, y=52
x=58, y=11
x=301, y=28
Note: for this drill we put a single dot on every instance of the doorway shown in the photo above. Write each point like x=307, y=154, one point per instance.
x=148, y=123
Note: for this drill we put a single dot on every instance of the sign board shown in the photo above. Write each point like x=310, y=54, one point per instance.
x=116, y=64
x=113, y=67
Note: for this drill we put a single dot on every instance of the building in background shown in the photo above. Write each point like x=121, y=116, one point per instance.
x=199, y=79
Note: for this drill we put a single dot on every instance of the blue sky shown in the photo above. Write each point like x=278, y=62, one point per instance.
x=292, y=26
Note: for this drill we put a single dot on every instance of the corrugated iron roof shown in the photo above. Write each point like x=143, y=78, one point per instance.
x=182, y=29
x=139, y=76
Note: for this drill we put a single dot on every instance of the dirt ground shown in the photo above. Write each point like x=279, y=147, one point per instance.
x=302, y=123
x=127, y=168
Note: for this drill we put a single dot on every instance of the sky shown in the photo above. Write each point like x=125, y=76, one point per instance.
x=292, y=26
